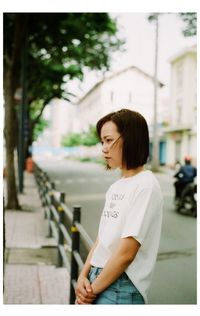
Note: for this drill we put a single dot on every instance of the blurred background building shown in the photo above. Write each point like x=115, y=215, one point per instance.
x=181, y=133
x=129, y=84
x=129, y=88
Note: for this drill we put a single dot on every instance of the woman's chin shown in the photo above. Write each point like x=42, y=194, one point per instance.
x=111, y=166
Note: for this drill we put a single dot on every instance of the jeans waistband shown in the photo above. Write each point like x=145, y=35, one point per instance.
x=96, y=270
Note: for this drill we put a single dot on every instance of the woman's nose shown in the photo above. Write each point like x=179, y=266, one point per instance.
x=104, y=148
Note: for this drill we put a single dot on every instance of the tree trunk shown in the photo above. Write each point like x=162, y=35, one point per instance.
x=10, y=119
x=11, y=82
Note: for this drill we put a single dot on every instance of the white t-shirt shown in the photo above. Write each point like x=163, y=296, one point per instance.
x=133, y=207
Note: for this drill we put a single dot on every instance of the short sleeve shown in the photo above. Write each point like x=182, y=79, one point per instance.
x=143, y=209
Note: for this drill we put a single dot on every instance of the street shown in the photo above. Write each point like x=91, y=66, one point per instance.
x=85, y=184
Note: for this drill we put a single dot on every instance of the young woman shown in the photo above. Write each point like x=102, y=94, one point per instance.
x=118, y=269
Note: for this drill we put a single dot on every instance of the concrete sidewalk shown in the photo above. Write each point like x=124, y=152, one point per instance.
x=31, y=275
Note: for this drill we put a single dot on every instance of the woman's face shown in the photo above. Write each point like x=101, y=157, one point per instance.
x=111, y=145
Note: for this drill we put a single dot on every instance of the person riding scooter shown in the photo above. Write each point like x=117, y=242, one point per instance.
x=185, y=175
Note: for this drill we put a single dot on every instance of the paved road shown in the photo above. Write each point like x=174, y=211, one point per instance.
x=175, y=274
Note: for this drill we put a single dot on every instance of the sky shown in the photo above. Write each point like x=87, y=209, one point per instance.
x=140, y=36
x=140, y=47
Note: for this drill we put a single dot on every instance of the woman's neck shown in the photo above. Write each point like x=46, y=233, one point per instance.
x=132, y=172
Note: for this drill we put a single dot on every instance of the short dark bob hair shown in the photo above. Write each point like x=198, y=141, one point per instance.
x=133, y=129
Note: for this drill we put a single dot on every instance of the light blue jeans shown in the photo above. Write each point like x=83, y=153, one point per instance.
x=122, y=291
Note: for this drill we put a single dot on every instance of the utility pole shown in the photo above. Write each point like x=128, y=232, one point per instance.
x=155, y=153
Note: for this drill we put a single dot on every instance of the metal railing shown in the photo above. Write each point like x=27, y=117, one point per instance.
x=65, y=226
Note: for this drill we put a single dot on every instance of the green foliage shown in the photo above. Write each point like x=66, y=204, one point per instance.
x=72, y=139
x=89, y=138
x=190, y=20
x=41, y=123
x=152, y=17
x=39, y=128
x=59, y=46
x=35, y=108
x=93, y=159
x=62, y=44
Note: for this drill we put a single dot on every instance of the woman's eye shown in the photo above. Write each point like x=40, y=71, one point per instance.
x=106, y=141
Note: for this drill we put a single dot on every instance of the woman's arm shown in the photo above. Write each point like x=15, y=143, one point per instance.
x=84, y=292
x=117, y=264
x=87, y=265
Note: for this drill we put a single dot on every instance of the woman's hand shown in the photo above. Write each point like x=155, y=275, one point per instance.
x=84, y=292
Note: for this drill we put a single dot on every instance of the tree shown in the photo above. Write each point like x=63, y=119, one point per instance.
x=37, y=122
x=72, y=140
x=190, y=23
x=13, y=39
x=59, y=46
x=88, y=138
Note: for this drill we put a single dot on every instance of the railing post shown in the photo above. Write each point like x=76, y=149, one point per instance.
x=50, y=213
x=75, y=246
x=45, y=200
x=61, y=221
x=45, y=196
x=43, y=189
x=39, y=183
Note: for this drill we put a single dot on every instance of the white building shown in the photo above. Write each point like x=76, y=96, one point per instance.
x=129, y=88
x=181, y=133
x=62, y=120
x=62, y=117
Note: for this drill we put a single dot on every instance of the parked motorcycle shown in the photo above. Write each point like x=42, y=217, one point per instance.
x=187, y=203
